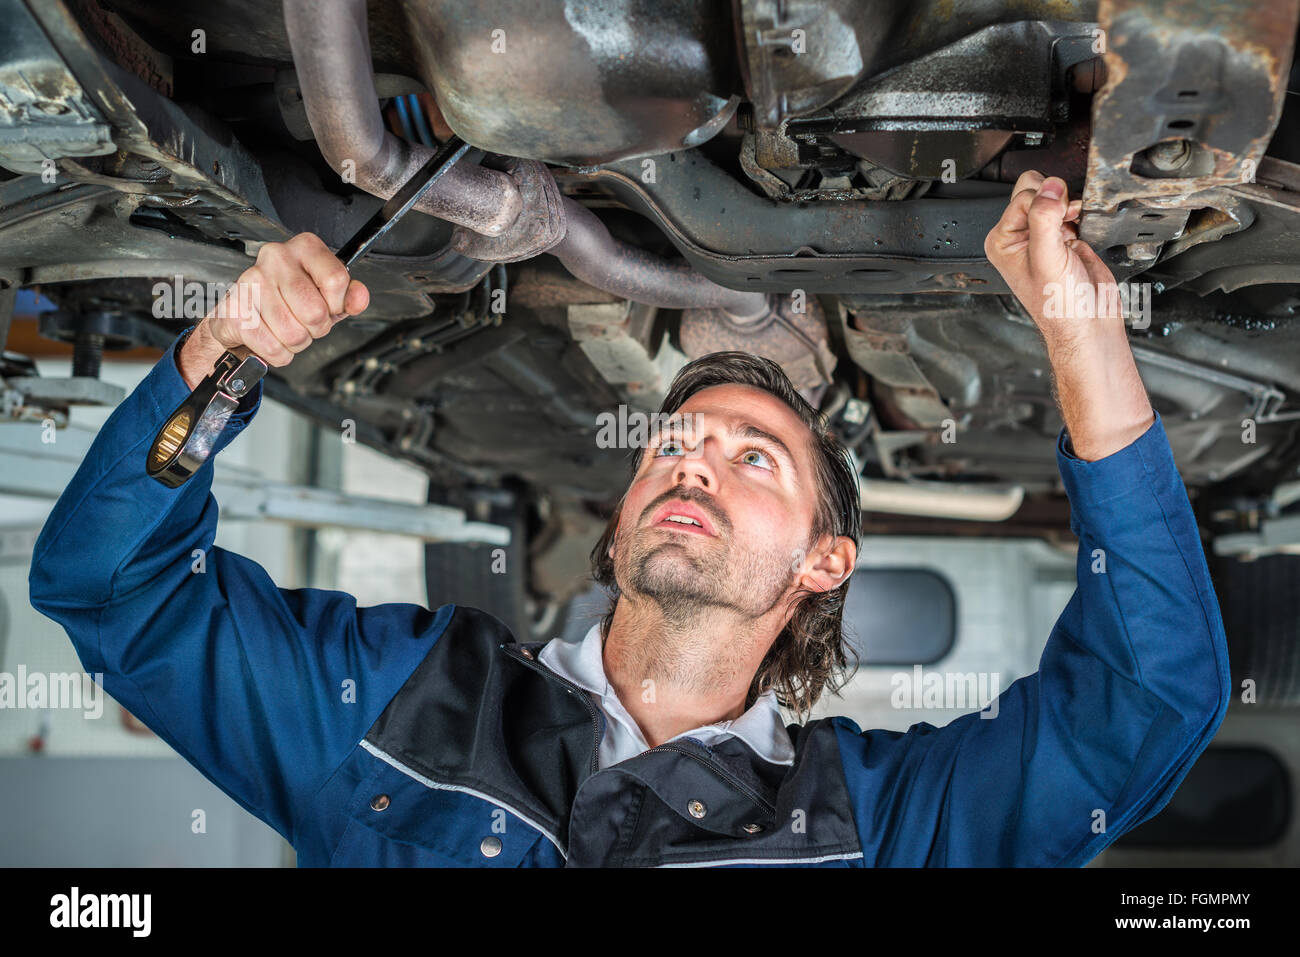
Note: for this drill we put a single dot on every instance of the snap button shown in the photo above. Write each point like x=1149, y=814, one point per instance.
x=753, y=828
x=491, y=846
x=379, y=802
x=526, y=653
x=696, y=808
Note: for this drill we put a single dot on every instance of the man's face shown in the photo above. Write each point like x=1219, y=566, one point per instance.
x=754, y=494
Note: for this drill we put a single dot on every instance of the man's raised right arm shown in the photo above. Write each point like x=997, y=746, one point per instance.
x=265, y=690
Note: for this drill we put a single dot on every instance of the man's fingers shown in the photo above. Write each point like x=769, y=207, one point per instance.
x=327, y=272
x=307, y=304
x=357, y=299
x=259, y=338
x=1048, y=204
x=280, y=321
x=1022, y=194
x=1099, y=273
x=1029, y=179
x=1047, y=252
x=1013, y=227
x=290, y=297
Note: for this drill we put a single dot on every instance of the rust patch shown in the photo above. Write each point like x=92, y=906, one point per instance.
x=1210, y=73
x=126, y=46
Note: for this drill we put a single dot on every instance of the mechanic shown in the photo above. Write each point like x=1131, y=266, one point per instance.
x=399, y=735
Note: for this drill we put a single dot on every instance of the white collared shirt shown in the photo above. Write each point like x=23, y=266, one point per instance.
x=762, y=727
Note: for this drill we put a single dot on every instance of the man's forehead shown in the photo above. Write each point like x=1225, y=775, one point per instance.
x=736, y=403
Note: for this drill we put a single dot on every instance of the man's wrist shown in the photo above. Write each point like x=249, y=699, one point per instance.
x=1069, y=335
x=197, y=355
x=1101, y=396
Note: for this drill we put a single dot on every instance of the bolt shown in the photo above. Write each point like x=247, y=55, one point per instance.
x=87, y=354
x=1170, y=155
x=1142, y=252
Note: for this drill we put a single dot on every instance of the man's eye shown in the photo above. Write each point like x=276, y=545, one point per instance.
x=670, y=444
x=759, y=452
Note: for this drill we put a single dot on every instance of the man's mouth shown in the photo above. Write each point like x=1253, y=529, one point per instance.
x=683, y=517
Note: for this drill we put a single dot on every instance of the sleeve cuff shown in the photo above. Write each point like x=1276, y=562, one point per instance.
x=1142, y=464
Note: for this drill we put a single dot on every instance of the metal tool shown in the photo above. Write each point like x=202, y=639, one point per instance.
x=188, y=435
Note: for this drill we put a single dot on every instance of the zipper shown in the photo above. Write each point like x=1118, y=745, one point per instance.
x=597, y=729
x=728, y=778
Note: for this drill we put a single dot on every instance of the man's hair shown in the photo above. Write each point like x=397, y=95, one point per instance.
x=809, y=655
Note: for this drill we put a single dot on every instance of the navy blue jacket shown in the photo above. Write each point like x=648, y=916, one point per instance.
x=399, y=735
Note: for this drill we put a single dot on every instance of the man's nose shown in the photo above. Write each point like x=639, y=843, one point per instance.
x=697, y=469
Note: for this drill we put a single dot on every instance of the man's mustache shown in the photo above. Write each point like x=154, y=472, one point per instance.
x=701, y=499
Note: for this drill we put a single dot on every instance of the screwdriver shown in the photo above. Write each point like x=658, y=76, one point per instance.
x=188, y=435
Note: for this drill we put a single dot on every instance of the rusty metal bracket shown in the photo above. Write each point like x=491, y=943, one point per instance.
x=1192, y=96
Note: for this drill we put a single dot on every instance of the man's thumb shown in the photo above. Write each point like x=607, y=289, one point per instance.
x=1047, y=253
x=356, y=299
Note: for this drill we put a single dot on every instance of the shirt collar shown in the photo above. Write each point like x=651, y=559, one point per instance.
x=762, y=727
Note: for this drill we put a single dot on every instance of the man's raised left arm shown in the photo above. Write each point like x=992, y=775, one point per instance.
x=1133, y=681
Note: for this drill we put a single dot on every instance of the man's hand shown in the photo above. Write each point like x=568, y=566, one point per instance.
x=1040, y=210
x=292, y=295
x=1035, y=246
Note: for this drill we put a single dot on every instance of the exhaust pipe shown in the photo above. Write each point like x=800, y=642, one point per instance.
x=598, y=259
x=973, y=503
x=331, y=54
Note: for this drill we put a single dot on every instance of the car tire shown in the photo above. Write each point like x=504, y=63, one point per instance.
x=1260, y=602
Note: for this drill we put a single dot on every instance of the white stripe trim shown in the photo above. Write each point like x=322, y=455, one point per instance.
x=757, y=860
x=429, y=783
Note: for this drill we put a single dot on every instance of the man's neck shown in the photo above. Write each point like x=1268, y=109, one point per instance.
x=676, y=674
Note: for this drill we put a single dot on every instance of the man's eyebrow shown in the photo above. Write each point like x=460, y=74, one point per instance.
x=748, y=430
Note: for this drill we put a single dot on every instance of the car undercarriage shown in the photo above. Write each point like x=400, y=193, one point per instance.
x=651, y=182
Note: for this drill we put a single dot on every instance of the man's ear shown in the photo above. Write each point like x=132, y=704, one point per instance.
x=831, y=565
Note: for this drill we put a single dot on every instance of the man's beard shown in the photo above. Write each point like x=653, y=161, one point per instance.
x=688, y=579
